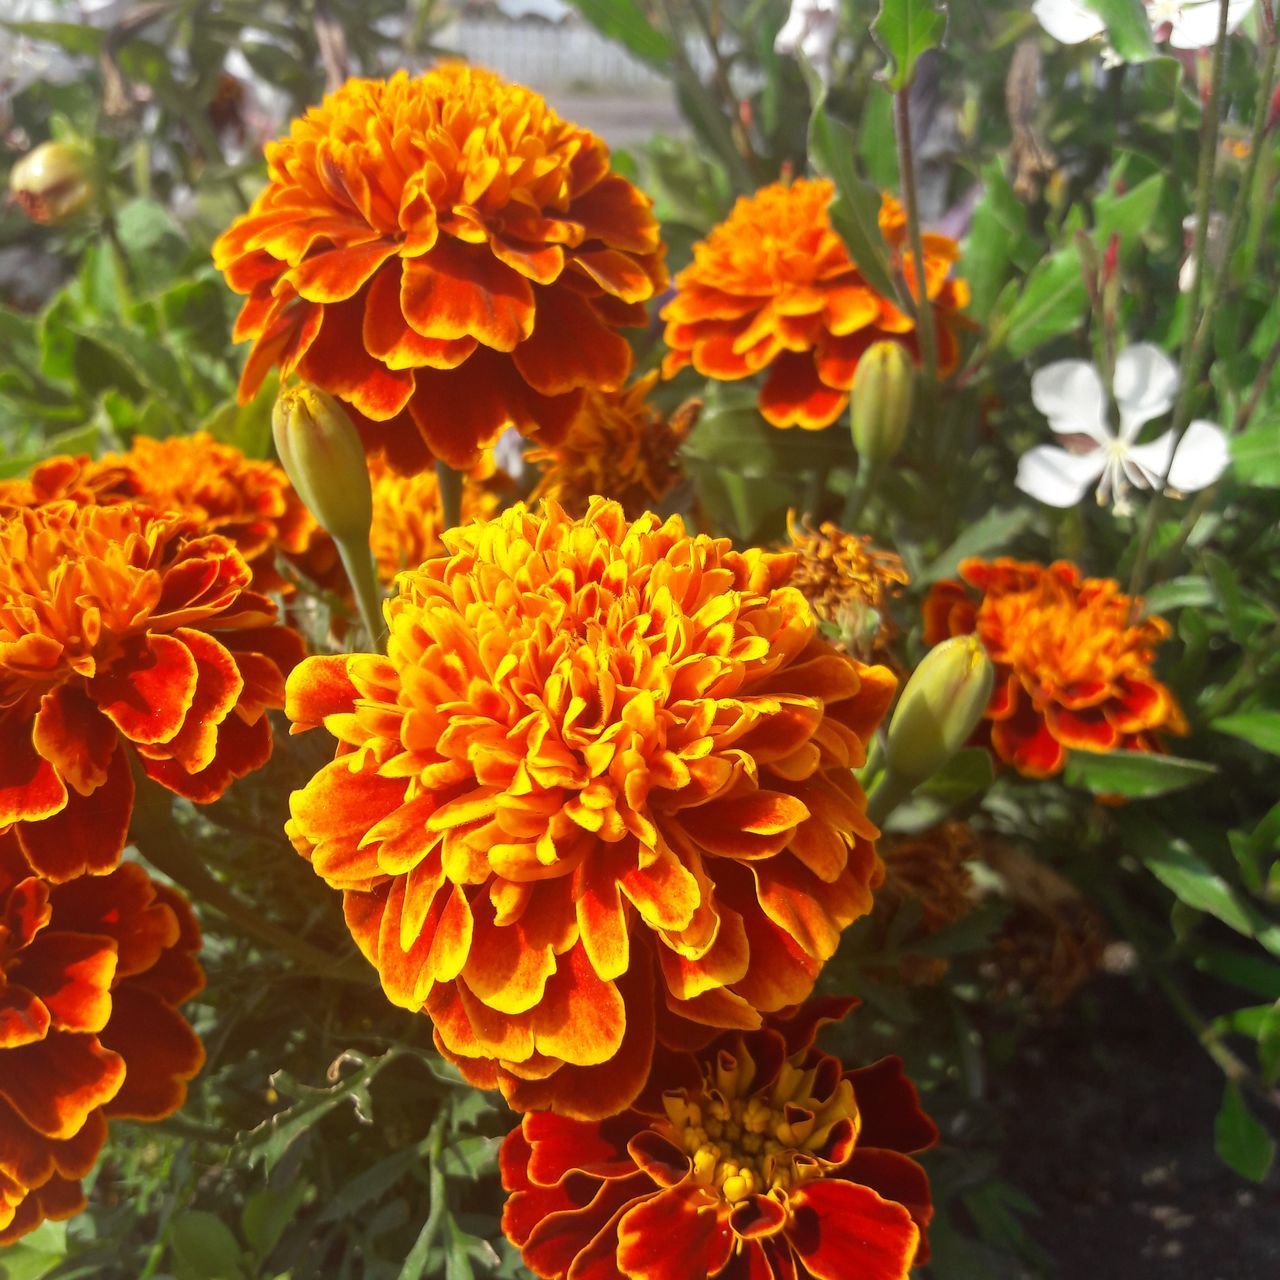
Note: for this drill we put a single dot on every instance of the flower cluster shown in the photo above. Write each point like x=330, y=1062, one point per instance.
x=91, y=976
x=773, y=288
x=759, y=1156
x=128, y=639
x=598, y=792
x=448, y=257
x=1073, y=661
x=618, y=445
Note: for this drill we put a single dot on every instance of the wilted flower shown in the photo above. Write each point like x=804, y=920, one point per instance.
x=773, y=288
x=1073, y=661
x=811, y=28
x=124, y=635
x=1071, y=395
x=598, y=790
x=91, y=976
x=619, y=445
x=758, y=1157
x=1185, y=24
x=447, y=257
x=51, y=183
x=848, y=582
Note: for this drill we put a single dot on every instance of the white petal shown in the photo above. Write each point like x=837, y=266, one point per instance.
x=1202, y=456
x=1056, y=477
x=1145, y=386
x=1196, y=27
x=1069, y=393
x=1068, y=21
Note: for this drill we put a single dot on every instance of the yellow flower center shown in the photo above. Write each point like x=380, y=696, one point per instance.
x=744, y=1141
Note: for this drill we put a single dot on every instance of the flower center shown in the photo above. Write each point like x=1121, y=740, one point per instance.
x=746, y=1141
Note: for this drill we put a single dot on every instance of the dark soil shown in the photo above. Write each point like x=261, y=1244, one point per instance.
x=1109, y=1119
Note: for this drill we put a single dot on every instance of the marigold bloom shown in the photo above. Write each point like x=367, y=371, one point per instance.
x=848, y=582
x=601, y=760
x=407, y=516
x=773, y=287
x=759, y=1158
x=1073, y=661
x=620, y=446
x=123, y=634
x=448, y=257
x=246, y=500
x=931, y=869
x=91, y=975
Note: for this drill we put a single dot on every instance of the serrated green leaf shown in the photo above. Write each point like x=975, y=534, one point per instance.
x=855, y=213
x=905, y=29
x=1260, y=729
x=1128, y=28
x=1240, y=1139
x=1136, y=774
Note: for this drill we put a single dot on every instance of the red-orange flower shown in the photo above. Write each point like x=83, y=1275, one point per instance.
x=598, y=790
x=246, y=500
x=448, y=257
x=1073, y=661
x=759, y=1158
x=620, y=446
x=91, y=975
x=773, y=288
x=124, y=635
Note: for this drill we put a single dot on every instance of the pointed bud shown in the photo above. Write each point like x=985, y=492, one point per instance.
x=321, y=453
x=940, y=707
x=51, y=184
x=880, y=401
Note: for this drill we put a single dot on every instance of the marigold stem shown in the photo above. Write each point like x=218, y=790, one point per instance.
x=449, y=482
x=357, y=560
x=889, y=793
x=911, y=206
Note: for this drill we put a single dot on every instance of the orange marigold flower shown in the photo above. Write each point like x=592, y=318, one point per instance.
x=447, y=256
x=759, y=1158
x=931, y=869
x=124, y=635
x=1073, y=661
x=619, y=445
x=601, y=760
x=848, y=582
x=91, y=976
x=407, y=516
x=773, y=287
x=246, y=500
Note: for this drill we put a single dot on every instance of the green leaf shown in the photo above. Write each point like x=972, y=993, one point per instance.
x=1255, y=455
x=1128, y=28
x=71, y=36
x=855, y=213
x=968, y=774
x=1260, y=729
x=998, y=241
x=204, y=1247
x=1269, y=1046
x=1179, y=868
x=905, y=29
x=1240, y=1139
x=625, y=22
x=1136, y=774
x=995, y=530
x=1180, y=593
x=1129, y=214
x=267, y=1213
x=1052, y=302
x=37, y=1254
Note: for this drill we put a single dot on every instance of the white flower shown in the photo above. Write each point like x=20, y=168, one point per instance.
x=1190, y=24
x=811, y=28
x=1070, y=394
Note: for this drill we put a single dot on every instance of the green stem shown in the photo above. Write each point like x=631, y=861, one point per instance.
x=911, y=206
x=890, y=792
x=449, y=482
x=357, y=560
x=865, y=485
x=1188, y=371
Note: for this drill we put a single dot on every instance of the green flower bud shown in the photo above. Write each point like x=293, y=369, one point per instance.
x=321, y=453
x=880, y=400
x=940, y=708
x=52, y=183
